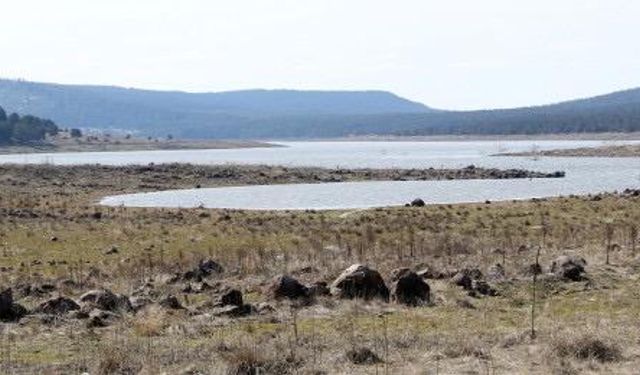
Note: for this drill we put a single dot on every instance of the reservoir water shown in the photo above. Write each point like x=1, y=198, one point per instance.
x=583, y=175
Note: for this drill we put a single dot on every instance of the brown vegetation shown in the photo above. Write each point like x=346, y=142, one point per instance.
x=182, y=315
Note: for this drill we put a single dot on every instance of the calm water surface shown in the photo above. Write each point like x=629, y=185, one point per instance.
x=583, y=175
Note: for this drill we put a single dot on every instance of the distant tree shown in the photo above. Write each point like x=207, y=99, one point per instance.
x=13, y=118
x=25, y=131
x=3, y=115
x=169, y=137
x=76, y=133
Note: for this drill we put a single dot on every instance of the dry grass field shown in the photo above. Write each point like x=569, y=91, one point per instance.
x=55, y=243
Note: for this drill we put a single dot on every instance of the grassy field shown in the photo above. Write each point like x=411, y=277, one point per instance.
x=51, y=233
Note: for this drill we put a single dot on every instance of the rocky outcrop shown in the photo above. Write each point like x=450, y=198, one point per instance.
x=284, y=286
x=57, y=306
x=9, y=310
x=569, y=267
x=106, y=300
x=360, y=281
x=408, y=288
x=203, y=270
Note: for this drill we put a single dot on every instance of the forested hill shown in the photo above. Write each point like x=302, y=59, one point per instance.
x=302, y=114
x=16, y=129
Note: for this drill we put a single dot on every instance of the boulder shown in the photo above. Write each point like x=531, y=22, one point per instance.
x=569, y=267
x=360, y=281
x=230, y=297
x=417, y=203
x=482, y=287
x=319, y=289
x=203, y=270
x=171, y=302
x=100, y=318
x=233, y=311
x=9, y=310
x=106, y=300
x=463, y=280
x=138, y=303
x=409, y=289
x=285, y=286
x=57, y=306
x=362, y=356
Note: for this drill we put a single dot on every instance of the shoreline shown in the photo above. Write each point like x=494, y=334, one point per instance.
x=613, y=151
x=67, y=147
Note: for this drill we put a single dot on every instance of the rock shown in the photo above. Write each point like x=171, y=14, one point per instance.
x=482, y=287
x=359, y=281
x=319, y=289
x=138, y=303
x=57, y=306
x=233, y=311
x=428, y=272
x=285, y=286
x=171, y=302
x=569, y=267
x=417, y=203
x=409, y=289
x=101, y=318
x=112, y=250
x=231, y=297
x=362, y=356
x=496, y=273
x=463, y=280
x=107, y=300
x=265, y=308
x=204, y=269
x=9, y=310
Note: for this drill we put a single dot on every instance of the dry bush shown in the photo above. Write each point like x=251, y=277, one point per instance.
x=586, y=347
x=247, y=360
x=150, y=322
x=116, y=359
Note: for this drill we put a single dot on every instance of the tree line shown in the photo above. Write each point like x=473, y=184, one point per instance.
x=27, y=129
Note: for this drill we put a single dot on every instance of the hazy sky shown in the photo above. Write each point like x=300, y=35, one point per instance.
x=447, y=54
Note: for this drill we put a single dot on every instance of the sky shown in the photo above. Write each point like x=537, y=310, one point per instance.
x=447, y=54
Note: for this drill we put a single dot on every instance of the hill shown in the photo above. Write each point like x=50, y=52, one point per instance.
x=303, y=114
x=217, y=115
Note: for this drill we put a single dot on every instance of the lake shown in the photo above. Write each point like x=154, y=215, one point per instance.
x=583, y=175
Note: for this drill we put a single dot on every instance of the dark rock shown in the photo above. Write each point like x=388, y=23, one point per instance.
x=138, y=303
x=231, y=297
x=204, y=269
x=233, y=311
x=319, y=289
x=569, y=267
x=9, y=310
x=482, y=287
x=463, y=280
x=363, y=356
x=112, y=250
x=57, y=306
x=100, y=318
x=171, y=302
x=417, y=203
x=408, y=288
x=285, y=286
x=359, y=281
x=107, y=300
